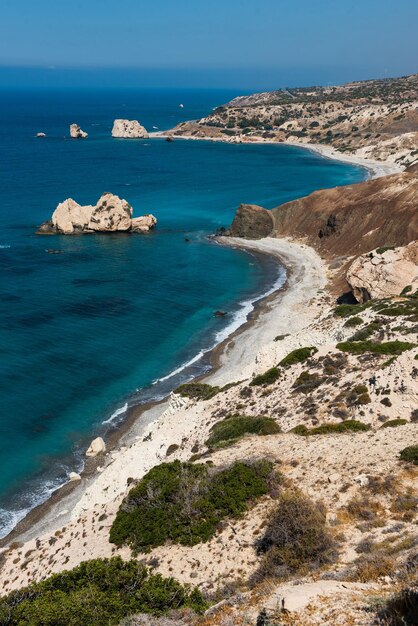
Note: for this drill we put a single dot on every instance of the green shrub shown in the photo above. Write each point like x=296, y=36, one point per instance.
x=388, y=347
x=306, y=382
x=384, y=249
x=183, y=503
x=269, y=377
x=98, y=592
x=394, y=423
x=298, y=356
x=296, y=538
x=353, y=321
x=410, y=454
x=346, y=310
x=326, y=429
x=234, y=427
x=366, y=332
x=197, y=391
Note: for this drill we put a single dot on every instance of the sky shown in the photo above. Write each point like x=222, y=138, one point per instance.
x=212, y=43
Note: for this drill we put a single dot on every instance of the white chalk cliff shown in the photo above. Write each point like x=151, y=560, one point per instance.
x=129, y=129
x=110, y=214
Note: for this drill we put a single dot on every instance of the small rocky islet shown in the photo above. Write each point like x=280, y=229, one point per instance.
x=110, y=214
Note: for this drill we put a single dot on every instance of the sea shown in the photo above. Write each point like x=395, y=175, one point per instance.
x=92, y=325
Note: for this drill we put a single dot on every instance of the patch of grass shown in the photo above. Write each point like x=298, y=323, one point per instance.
x=267, y=378
x=388, y=347
x=201, y=391
x=347, y=310
x=384, y=249
x=232, y=428
x=354, y=321
x=401, y=609
x=410, y=454
x=295, y=539
x=373, y=566
x=298, y=356
x=328, y=429
x=366, y=509
x=393, y=423
x=388, y=362
x=307, y=382
x=183, y=503
x=97, y=592
x=364, y=333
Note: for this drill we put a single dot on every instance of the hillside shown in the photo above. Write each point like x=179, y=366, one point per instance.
x=375, y=119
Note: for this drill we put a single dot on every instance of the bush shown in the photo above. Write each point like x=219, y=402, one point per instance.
x=366, y=332
x=197, y=391
x=296, y=537
x=267, y=378
x=236, y=426
x=410, y=454
x=327, y=429
x=401, y=609
x=184, y=503
x=393, y=423
x=306, y=382
x=353, y=321
x=97, y=592
x=360, y=347
x=346, y=310
x=298, y=356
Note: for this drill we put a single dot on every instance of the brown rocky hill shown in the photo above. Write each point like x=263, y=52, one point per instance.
x=344, y=222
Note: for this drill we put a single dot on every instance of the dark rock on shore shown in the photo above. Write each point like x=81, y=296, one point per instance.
x=251, y=222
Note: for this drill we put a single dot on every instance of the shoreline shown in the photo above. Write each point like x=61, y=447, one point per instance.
x=376, y=169
x=138, y=417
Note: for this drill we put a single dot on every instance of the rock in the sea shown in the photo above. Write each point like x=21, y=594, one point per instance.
x=143, y=224
x=251, y=222
x=129, y=129
x=110, y=214
x=40, y=135
x=97, y=446
x=384, y=272
x=73, y=476
x=76, y=132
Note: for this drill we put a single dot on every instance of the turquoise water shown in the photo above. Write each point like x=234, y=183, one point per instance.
x=86, y=332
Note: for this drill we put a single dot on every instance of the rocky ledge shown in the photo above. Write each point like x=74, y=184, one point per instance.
x=110, y=214
x=129, y=129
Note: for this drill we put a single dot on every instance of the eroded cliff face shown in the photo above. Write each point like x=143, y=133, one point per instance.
x=110, y=214
x=384, y=272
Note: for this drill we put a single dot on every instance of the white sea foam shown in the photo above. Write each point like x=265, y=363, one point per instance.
x=4, y=246
x=116, y=414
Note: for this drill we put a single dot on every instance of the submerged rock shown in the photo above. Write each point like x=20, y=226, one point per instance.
x=96, y=447
x=384, y=272
x=76, y=132
x=129, y=129
x=110, y=214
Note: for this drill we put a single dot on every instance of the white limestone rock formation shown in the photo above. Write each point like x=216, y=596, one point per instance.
x=143, y=224
x=129, y=129
x=40, y=134
x=96, y=447
x=76, y=132
x=384, y=272
x=110, y=214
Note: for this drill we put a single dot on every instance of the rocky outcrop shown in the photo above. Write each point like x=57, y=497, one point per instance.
x=384, y=272
x=40, y=134
x=110, y=214
x=96, y=447
x=76, y=132
x=129, y=129
x=251, y=222
x=143, y=224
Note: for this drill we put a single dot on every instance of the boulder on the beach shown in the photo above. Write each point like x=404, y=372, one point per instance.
x=110, y=214
x=251, y=222
x=73, y=476
x=384, y=272
x=76, y=132
x=96, y=447
x=143, y=224
x=129, y=129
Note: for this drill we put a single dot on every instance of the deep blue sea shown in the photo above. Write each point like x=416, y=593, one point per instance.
x=86, y=332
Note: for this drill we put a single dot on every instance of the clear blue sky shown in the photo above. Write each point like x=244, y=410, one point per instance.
x=213, y=42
